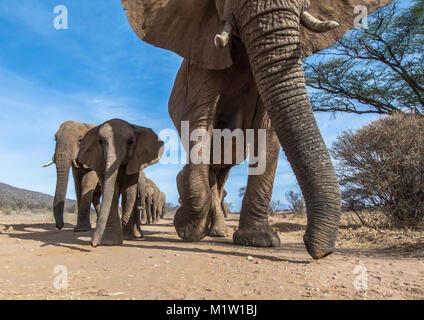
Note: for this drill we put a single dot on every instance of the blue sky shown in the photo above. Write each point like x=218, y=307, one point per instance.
x=95, y=71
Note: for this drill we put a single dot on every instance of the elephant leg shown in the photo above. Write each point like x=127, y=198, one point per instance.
x=192, y=220
x=254, y=228
x=89, y=182
x=219, y=227
x=129, y=198
x=143, y=215
x=194, y=99
x=148, y=209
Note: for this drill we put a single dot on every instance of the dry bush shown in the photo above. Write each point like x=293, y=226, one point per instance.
x=381, y=167
x=296, y=202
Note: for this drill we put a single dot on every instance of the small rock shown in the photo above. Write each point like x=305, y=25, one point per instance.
x=308, y=285
x=250, y=258
x=10, y=229
x=258, y=262
x=155, y=265
x=177, y=254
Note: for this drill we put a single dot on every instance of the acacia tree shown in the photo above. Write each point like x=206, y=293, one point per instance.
x=375, y=70
x=381, y=166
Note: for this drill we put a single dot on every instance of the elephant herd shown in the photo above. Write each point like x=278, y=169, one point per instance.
x=242, y=70
x=107, y=164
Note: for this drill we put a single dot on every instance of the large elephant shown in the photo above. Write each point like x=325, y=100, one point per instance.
x=87, y=187
x=118, y=151
x=258, y=74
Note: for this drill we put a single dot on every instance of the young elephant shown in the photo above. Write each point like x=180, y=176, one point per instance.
x=87, y=187
x=118, y=151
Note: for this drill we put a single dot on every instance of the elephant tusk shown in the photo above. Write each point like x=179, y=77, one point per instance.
x=221, y=40
x=75, y=163
x=48, y=164
x=315, y=25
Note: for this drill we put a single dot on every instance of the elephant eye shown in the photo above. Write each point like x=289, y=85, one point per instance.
x=80, y=139
x=130, y=142
x=100, y=142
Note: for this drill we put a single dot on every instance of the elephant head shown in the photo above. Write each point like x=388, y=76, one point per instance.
x=112, y=146
x=68, y=139
x=276, y=35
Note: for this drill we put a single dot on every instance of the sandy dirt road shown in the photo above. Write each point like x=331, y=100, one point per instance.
x=161, y=266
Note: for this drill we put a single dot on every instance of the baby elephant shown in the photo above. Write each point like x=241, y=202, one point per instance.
x=118, y=151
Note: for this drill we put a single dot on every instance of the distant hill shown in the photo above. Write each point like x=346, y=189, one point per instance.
x=20, y=199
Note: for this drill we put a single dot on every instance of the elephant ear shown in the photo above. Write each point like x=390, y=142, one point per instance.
x=341, y=11
x=186, y=27
x=147, y=150
x=90, y=154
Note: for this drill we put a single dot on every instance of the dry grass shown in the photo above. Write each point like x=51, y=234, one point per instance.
x=352, y=234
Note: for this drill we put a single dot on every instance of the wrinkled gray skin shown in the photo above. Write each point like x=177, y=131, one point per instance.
x=266, y=79
x=118, y=151
x=141, y=198
x=224, y=205
x=161, y=206
x=87, y=186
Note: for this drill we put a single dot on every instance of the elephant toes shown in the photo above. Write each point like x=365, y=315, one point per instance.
x=219, y=232
x=191, y=228
x=256, y=238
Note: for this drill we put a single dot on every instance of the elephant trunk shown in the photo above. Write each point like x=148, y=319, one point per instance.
x=271, y=36
x=108, y=194
x=141, y=195
x=62, y=170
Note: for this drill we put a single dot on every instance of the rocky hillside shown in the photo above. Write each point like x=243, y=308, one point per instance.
x=12, y=198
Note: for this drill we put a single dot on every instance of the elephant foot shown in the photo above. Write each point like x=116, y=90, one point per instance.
x=133, y=233
x=190, y=227
x=315, y=252
x=256, y=238
x=219, y=233
x=109, y=239
x=82, y=228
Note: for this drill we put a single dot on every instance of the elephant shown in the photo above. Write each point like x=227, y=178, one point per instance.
x=152, y=200
x=118, y=151
x=87, y=186
x=161, y=206
x=254, y=81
